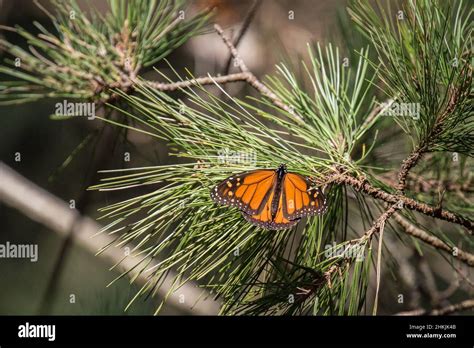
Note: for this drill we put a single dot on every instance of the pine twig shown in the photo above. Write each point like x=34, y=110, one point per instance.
x=246, y=24
x=458, y=307
x=245, y=76
x=208, y=80
x=233, y=51
x=377, y=193
x=407, y=165
x=251, y=78
x=378, y=227
x=380, y=222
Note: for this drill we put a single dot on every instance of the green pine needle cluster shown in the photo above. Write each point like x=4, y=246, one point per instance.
x=90, y=54
x=425, y=56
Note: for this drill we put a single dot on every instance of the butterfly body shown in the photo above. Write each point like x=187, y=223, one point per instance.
x=272, y=199
x=281, y=171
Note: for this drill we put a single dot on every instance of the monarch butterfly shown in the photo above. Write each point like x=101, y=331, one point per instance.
x=272, y=199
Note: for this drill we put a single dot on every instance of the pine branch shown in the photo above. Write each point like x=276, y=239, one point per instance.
x=410, y=162
x=244, y=76
x=92, y=54
x=180, y=219
x=172, y=86
x=251, y=78
x=335, y=122
x=377, y=193
x=245, y=25
x=380, y=222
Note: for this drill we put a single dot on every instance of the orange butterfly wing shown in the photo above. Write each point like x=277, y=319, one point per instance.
x=299, y=199
x=254, y=192
x=249, y=191
x=264, y=218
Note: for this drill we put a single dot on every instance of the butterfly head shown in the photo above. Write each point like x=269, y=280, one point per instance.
x=282, y=168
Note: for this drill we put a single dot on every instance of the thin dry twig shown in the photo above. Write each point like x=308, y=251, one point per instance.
x=377, y=193
x=245, y=25
x=380, y=228
x=380, y=222
x=245, y=76
x=208, y=80
x=407, y=165
x=252, y=79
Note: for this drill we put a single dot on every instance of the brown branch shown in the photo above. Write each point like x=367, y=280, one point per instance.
x=407, y=165
x=462, y=306
x=436, y=212
x=245, y=25
x=172, y=86
x=233, y=51
x=245, y=76
x=252, y=79
x=380, y=222
x=434, y=241
x=417, y=184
